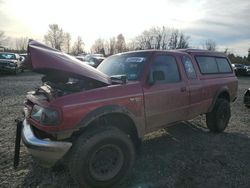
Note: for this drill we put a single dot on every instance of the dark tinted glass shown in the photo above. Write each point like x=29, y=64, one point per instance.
x=213, y=65
x=207, y=65
x=165, y=69
x=223, y=65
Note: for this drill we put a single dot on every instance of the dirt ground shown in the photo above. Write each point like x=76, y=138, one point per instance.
x=185, y=155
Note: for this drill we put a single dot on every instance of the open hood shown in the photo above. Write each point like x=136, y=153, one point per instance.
x=46, y=60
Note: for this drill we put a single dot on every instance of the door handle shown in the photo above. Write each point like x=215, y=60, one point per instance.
x=183, y=89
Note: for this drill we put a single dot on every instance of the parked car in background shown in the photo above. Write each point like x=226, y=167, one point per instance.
x=10, y=62
x=25, y=55
x=81, y=58
x=89, y=56
x=95, y=61
x=247, y=67
x=239, y=69
x=23, y=59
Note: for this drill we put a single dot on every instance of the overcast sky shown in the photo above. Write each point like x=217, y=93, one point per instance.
x=224, y=21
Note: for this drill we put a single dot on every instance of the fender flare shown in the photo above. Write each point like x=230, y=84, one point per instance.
x=105, y=110
x=220, y=91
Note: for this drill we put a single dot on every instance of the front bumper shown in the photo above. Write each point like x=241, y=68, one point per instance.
x=7, y=69
x=45, y=151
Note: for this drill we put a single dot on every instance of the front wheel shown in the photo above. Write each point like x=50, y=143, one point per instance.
x=102, y=157
x=218, y=119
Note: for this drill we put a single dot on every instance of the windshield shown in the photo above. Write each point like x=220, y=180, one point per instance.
x=130, y=64
x=7, y=56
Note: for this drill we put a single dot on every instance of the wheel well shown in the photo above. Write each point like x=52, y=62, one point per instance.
x=224, y=95
x=118, y=120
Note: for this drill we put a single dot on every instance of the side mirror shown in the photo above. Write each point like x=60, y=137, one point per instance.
x=120, y=79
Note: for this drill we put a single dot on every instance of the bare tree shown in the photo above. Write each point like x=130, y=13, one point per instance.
x=173, y=42
x=148, y=39
x=21, y=43
x=248, y=56
x=157, y=33
x=165, y=32
x=132, y=45
x=145, y=40
x=112, y=44
x=178, y=40
x=54, y=36
x=98, y=46
x=67, y=41
x=210, y=45
x=3, y=38
x=120, y=45
x=109, y=46
x=183, y=41
x=138, y=43
x=160, y=38
x=78, y=46
x=106, y=48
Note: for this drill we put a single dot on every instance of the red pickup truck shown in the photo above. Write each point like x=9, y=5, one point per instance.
x=94, y=119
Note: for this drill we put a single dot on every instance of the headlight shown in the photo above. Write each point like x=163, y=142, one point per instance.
x=45, y=116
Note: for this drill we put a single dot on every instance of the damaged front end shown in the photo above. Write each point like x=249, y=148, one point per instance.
x=63, y=75
x=59, y=67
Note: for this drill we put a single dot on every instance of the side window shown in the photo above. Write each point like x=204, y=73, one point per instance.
x=211, y=65
x=189, y=68
x=223, y=65
x=165, y=69
x=207, y=65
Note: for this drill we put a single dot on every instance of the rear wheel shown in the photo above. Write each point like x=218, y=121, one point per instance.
x=101, y=158
x=218, y=119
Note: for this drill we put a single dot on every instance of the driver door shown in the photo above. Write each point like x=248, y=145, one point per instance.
x=166, y=100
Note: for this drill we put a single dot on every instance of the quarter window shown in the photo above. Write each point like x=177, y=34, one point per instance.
x=189, y=68
x=207, y=65
x=213, y=65
x=223, y=65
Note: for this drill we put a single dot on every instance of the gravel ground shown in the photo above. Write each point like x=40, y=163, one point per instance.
x=185, y=155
